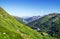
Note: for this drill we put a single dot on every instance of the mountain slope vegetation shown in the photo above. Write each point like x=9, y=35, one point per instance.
x=49, y=24
x=10, y=28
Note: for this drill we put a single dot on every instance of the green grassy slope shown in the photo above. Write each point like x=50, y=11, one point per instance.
x=49, y=24
x=10, y=28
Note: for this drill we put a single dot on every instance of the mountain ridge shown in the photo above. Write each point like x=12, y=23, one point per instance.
x=48, y=23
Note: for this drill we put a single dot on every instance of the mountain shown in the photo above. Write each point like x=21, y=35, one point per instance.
x=49, y=24
x=26, y=19
x=10, y=28
x=30, y=19
x=20, y=19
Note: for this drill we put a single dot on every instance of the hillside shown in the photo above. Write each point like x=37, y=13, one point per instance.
x=49, y=24
x=10, y=28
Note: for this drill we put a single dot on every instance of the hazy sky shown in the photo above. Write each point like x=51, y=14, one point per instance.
x=30, y=7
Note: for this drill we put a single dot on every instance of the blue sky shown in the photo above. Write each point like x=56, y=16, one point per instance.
x=30, y=7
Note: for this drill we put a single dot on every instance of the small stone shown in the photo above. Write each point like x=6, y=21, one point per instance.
x=4, y=33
